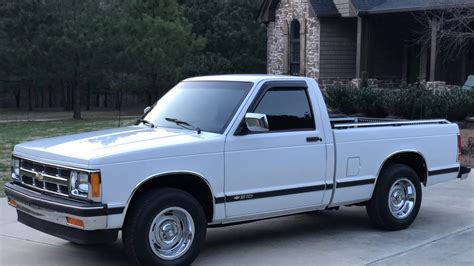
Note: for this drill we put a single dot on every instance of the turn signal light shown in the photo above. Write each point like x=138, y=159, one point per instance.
x=95, y=185
x=75, y=222
x=12, y=202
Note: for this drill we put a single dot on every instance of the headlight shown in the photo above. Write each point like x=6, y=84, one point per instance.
x=79, y=184
x=85, y=185
x=15, y=168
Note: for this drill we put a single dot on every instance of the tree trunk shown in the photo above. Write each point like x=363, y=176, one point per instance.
x=105, y=100
x=17, y=98
x=118, y=100
x=434, y=32
x=155, y=87
x=42, y=97
x=117, y=95
x=148, y=98
x=69, y=97
x=77, y=91
x=76, y=101
x=30, y=104
x=88, y=104
x=64, y=95
x=50, y=96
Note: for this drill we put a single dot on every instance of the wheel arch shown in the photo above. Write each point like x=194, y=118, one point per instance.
x=191, y=182
x=412, y=158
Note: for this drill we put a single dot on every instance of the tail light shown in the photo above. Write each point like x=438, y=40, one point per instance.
x=459, y=148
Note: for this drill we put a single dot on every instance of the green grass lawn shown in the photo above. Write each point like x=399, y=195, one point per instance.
x=14, y=133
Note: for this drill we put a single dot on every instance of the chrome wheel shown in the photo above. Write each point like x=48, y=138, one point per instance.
x=402, y=198
x=171, y=233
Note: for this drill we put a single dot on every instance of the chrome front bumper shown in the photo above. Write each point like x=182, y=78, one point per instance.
x=49, y=214
x=90, y=223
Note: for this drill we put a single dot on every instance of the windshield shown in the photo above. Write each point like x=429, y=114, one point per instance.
x=207, y=105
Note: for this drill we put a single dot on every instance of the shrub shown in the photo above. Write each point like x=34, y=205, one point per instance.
x=341, y=98
x=409, y=102
x=458, y=104
x=400, y=102
x=370, y=102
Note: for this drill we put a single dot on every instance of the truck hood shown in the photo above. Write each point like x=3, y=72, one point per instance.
x=118, y=145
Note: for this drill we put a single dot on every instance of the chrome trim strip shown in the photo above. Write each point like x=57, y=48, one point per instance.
x=44, y=174
x=402, y=123
x=57, y=165
x=48, y=178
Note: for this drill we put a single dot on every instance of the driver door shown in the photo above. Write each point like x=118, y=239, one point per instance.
x=283, y=169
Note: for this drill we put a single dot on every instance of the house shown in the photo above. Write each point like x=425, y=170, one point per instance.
x=380, y=41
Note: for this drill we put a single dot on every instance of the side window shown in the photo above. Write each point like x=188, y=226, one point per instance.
x=286, y=109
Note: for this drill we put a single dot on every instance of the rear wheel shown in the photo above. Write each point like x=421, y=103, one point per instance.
x=396, y=199
x=166, y=227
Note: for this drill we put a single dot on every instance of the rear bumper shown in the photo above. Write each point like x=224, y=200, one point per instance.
x=50, y=215
x=464, y=172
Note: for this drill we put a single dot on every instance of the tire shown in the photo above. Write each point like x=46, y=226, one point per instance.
x=396, y=200
x=175, y=211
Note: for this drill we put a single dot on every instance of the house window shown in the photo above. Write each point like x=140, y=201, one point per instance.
x=294, y=48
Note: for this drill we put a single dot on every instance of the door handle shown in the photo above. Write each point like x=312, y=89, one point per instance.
x=313, y=139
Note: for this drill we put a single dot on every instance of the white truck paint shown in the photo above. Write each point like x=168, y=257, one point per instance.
x=250, y=176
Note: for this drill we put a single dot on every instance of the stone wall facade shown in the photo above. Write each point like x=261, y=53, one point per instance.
x=332, y=82
x=311, y=29
x=278, y=38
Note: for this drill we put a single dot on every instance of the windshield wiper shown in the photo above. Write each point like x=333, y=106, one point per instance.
x=183, y=124
x=145, y=122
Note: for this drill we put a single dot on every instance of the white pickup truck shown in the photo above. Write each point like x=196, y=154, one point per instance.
x=220, y=150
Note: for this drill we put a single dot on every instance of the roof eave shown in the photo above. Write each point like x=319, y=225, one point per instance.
x=414, y=9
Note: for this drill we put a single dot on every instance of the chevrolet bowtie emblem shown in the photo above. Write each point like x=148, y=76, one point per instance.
x=39, y=176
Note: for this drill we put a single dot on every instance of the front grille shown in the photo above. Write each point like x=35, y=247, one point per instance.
x=44, y=177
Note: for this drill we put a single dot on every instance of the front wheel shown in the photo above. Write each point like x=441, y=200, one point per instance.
x=166, y=227
x=396, y=199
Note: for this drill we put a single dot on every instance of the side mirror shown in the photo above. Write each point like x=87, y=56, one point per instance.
x=256, y=122
x=146, y=109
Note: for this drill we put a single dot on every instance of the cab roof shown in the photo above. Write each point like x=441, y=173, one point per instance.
x=245, y=78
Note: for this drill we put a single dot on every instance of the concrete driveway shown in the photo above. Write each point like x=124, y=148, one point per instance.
x=443, y=234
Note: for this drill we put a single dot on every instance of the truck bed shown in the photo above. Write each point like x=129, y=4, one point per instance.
x=363, y=145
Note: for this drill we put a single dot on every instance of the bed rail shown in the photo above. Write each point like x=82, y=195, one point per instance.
x=339, y=123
